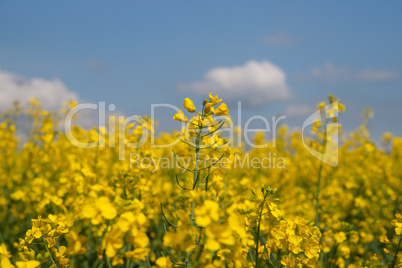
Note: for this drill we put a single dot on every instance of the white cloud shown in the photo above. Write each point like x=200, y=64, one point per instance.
x=298, y=110
x=331, y=73
x=255, y=83
x=280, y=38
x=377, y=75
x=95, y=65
x=327, y=73
x=51, y=93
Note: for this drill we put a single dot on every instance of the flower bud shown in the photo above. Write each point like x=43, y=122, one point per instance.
x=189, y=105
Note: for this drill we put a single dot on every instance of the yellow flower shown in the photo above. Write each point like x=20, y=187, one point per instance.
x=179, y=241
x=207, y=107
x=4, y=257
x=189, y=105
x=163, y=262
x=236, y=222
x=107, y=209
x=221, y=110
x=102, y=209
x=138, y=254
x=27, y=264
x=278, y=234
x=341, y=107
x=76, y=243
x=398, y=228
x=397, y=223
x=340, y=237
x=117, y=260
x=207, y=213
x=126, y=221
x=287, y=261
x=312, y=249
x=139, y=240
x=4, y=251
x=112, y=242
x=345, y=251
x=214, y=100
x=219, y=234
x=59, y=255
x=273, y=208
x=179, y=116
x=321, y=105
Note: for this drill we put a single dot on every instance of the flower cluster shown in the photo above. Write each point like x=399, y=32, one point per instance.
x=208, y=108
x=45, y=232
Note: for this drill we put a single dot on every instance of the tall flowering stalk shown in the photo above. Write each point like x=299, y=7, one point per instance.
x=327, y=114
x=203, y=126
x=266, y=192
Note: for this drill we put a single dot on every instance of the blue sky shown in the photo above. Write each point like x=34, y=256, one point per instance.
x=135, y=53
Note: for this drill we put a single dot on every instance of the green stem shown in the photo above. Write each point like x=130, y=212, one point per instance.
x=396, y=253
x=197, y=156
x=196, y=173
x=333, y=260
x=201, y=247
x=148, y=262
x=2, y=240
x=206, y=180
x=108, y=261
x=258, y=232
x=51, y=255
x=317, y=204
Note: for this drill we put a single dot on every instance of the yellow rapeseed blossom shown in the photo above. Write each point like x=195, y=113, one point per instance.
x=398, y=224
x=27, y=264
x=207, y=108
x=214, y=100
x=179, y=116
x=5, y=257
x=189, y=105
x=221, y=110
x=207, y=213
x=163, y=262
